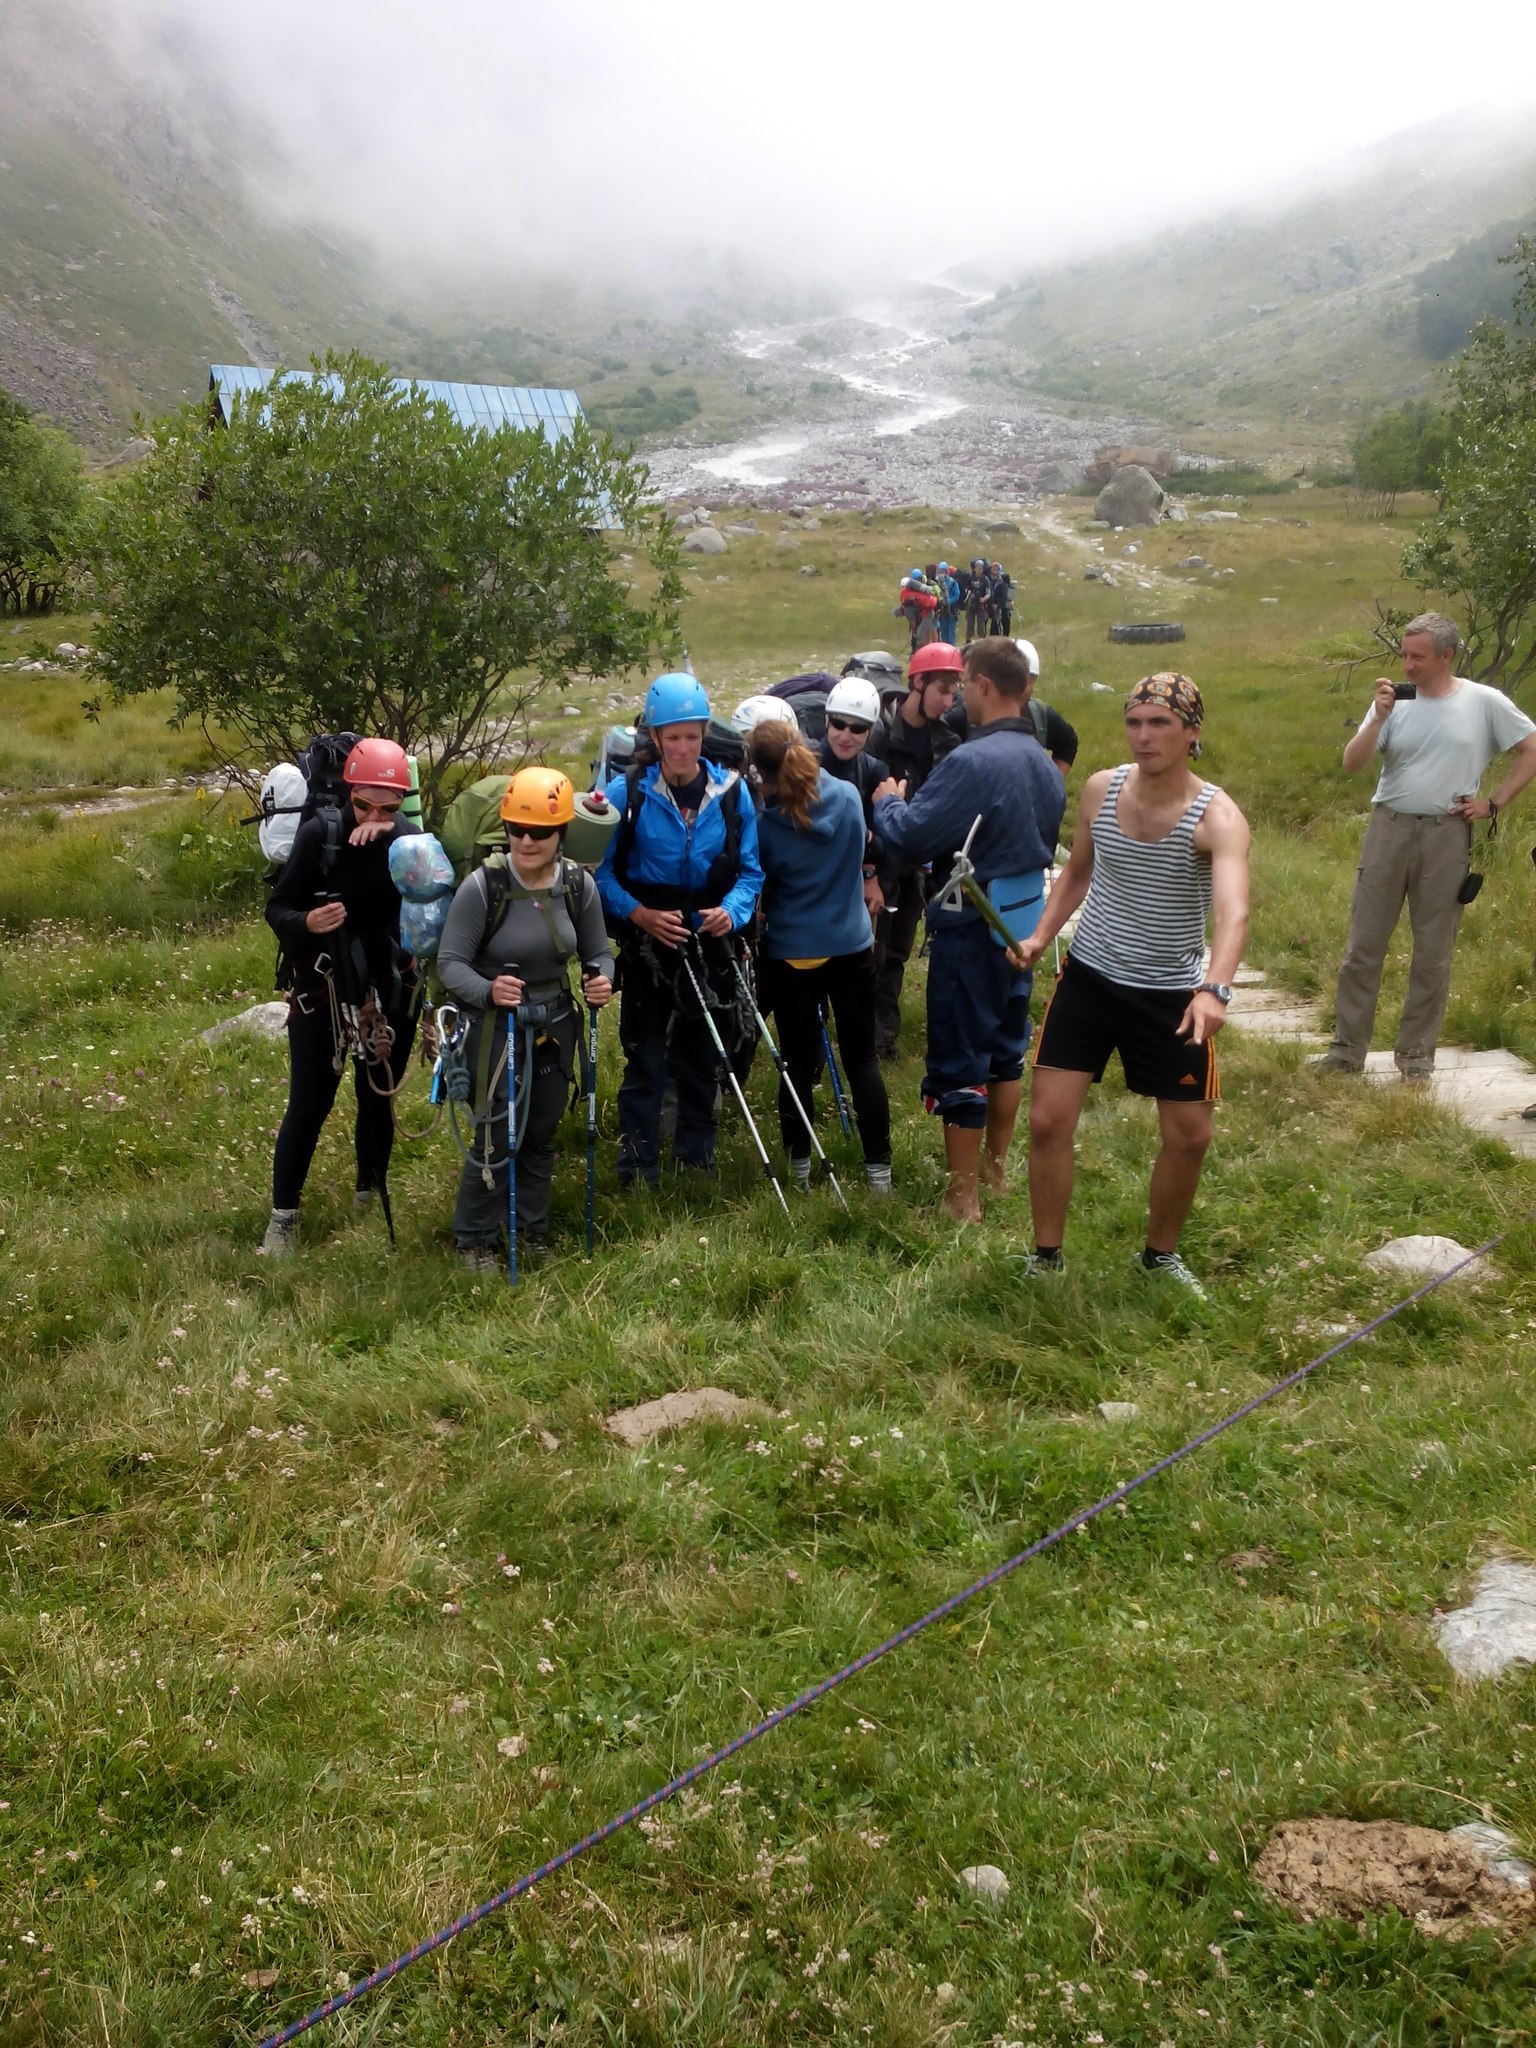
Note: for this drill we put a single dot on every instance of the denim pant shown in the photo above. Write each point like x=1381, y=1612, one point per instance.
x=978, y=1022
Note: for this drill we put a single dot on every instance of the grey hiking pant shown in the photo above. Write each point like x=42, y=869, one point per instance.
x=480, y=1214
x=1423, y=862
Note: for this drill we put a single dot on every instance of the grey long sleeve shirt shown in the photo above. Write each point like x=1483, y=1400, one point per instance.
x=469, y=958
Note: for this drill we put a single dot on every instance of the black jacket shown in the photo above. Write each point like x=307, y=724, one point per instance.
x=360, y=877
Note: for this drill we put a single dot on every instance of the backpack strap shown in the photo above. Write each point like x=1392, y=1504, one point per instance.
x=1037, y=719
x=624, y=838
x=330, y=838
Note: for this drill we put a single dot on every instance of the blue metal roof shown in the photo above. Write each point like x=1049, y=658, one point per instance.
x=474, y=405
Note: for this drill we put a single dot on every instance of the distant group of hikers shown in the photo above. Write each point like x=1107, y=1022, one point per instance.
x=777, y=865
x=937, y=600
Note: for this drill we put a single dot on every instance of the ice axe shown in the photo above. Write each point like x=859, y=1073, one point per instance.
x=962, y=882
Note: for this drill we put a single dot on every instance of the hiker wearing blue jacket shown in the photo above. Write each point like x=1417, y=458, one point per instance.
x=978, y=1005
x=681, y=871
x=817, y=945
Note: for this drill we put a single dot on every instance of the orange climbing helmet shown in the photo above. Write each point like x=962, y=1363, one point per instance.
x=538, y=796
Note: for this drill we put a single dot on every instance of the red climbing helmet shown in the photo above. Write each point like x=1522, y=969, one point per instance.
x=378, y=764
x=937, y=658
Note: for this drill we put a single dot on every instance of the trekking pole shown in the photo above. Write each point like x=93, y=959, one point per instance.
x=838, y=1095
x=784, y=1081
x=730, y=1072
x=591, y=1126
x=511, y=1149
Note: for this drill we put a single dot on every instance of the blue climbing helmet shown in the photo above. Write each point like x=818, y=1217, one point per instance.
x=674, y=700
x=916, y=576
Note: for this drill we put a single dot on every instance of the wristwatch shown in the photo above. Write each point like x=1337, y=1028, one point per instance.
x=1218, y=989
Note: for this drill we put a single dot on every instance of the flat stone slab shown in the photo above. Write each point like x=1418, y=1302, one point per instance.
x=1119, y=1411
x=262, y=1020
x=1497, y=1627
x=1487, y=1090
x=986, y=1881
x=651, y=1419
x=1273, y=1013
x=1425, y=1258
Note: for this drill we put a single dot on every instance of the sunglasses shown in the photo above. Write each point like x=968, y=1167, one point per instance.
x=361, y=803
x=846, y=725
x=532, y=831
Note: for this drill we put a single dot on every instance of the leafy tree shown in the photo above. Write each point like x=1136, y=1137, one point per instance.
x=1479, y=548
x=347, y=555
x=42, y=504
x=1402, y=450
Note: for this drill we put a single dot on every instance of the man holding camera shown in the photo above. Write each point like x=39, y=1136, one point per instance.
x=1436, y=734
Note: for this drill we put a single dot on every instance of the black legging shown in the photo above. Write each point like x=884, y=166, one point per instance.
x=312, y=1085
x=795, y=995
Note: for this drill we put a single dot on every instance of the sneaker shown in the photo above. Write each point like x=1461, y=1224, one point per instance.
x=1416, y=1070
x=363, y=1200
x=1332, y=1063
x=1169, y=1266
x=800, y=1174
x=480, y=1258
x=1041, y=1264
x=878, y=1179
x=282, y=1233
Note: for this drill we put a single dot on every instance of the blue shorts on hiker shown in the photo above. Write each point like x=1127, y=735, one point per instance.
x=978, y=1023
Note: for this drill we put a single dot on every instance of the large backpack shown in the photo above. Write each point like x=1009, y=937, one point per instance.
x=807, y=696
x=312, y=786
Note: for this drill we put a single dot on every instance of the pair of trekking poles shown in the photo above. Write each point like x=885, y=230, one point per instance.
x=450, y=1041
x=686, y=950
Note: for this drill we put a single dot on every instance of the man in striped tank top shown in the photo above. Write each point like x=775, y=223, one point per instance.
x=1156, y=853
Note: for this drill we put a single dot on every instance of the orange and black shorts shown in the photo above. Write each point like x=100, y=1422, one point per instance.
x=1089, y=1016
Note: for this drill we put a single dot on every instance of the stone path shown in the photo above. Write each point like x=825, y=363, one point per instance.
x=1487, y=1090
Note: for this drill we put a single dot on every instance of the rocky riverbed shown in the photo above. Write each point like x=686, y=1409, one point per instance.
x=889, y=407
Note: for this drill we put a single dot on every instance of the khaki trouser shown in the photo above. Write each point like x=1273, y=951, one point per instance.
x=1422, y=861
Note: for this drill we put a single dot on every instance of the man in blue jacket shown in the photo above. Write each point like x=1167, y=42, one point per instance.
x=682, y=866
x=978, y=1005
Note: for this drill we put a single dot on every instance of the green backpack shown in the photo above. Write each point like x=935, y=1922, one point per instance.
x=472, y=829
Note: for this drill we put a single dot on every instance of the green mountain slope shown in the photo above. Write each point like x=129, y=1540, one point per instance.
x=1289, y=325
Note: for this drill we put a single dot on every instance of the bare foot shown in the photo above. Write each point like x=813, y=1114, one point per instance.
x=962, y=1202
x=994, y=1172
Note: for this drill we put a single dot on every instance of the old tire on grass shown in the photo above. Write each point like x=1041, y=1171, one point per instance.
x=1145, y=635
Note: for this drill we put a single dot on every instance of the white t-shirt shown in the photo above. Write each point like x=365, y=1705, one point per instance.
x=1435, y=749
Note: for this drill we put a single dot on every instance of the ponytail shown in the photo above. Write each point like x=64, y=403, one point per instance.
x=778, y=750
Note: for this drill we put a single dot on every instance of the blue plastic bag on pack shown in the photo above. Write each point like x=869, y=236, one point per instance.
x=421, y=925
x=419, y=868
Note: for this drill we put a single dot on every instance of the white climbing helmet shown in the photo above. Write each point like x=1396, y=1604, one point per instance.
x=854, y=698
x=761, y=710
x=1027, y=649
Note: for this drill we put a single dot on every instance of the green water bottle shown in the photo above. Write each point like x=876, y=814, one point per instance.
x=410, y=810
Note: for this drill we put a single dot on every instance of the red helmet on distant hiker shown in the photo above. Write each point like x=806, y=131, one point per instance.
x=937, y=658
x=378, y=764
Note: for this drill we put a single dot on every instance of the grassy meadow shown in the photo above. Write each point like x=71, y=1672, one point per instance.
x=330, y=1609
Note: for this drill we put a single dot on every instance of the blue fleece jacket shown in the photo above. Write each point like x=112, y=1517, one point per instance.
x=1003, y=775
x=815, y=877
x=675, y=852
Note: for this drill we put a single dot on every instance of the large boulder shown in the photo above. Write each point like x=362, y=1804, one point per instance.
x=1132, y=497
x=704, y=540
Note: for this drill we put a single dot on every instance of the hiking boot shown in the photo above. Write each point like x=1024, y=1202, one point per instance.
x=1168, y=1266
x=363, y=1200
x=800, y=1174
x=878, y=1178
x=1332, y=1063
x=1041, y=1265
x=1416, y=1070
x=480, y=1258
x=280, y=1241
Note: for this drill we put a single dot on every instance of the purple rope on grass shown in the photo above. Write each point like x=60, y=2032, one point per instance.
x=819, y=1691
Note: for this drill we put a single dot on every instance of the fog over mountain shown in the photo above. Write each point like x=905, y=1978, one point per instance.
x=843, y=143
